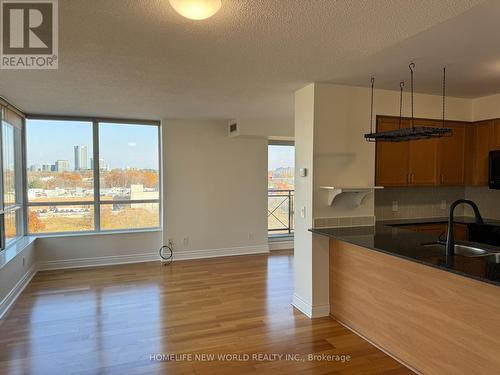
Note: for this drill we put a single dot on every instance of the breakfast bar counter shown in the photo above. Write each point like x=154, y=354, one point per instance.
x=434, y=315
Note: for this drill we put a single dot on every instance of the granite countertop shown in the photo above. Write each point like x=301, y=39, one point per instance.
x=437, y=220
x=390, y=237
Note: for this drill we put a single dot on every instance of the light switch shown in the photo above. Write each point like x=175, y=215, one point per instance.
x=302, y=172
x=303, y=212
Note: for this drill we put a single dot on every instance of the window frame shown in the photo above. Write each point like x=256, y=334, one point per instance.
x=96, y=202
x=291, y=197
x=17, y=207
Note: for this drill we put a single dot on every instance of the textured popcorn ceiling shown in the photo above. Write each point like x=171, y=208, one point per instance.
x=139, y=58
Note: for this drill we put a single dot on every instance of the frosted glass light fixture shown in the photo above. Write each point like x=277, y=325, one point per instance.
x=196, y=9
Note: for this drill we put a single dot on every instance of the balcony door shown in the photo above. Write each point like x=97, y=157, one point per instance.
x=281, y=188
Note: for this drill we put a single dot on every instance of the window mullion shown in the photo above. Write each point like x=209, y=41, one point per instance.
x=97, y=187
x=2, y=207
x=24, y=166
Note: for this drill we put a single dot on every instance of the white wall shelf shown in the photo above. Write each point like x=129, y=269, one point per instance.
x=356, y=194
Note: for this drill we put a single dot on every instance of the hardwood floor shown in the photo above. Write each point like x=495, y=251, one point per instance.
x=111, y=320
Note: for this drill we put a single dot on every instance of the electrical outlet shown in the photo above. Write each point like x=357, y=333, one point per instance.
x=250, y=236
x=185, y=241
x=395, y=206
x=443, y=204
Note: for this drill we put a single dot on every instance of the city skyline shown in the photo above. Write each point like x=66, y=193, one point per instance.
x=280, y=157
x=123, y=146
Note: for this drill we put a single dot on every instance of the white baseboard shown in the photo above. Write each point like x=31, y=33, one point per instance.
x=316, y=311
x=11, y=297
x=281, y=245
x=149, y=257
x=224, y=252
x=97, y=261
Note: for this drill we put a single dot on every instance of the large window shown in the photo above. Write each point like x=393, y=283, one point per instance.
x=11, y=199
x=92, y=175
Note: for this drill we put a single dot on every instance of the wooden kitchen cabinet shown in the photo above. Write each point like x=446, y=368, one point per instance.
x=423, y=158
x=495, y=134
x=459, y=160
x=391, y=157
x=460, y=231
x=480, y=140
x=451, y=156
x=370, y=291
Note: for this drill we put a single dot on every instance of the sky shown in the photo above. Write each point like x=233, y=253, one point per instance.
x=120, y=146
x=280, y=156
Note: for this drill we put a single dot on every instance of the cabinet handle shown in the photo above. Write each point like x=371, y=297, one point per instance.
x=411, y=178
x=442, y=179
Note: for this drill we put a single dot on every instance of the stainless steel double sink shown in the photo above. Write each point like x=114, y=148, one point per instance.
x=490, y=256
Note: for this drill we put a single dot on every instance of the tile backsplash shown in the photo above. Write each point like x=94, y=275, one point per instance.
x=334, y=222
x=416, y=202
x=488, y=201
x=421, y=202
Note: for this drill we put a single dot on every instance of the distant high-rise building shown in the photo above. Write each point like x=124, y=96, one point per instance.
x=62, y=165
x=102, y=164
x=81, y=158
x=47, y=167
x=35, y=168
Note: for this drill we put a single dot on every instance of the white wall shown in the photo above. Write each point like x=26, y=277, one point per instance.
x=486, y=108
x=83, y=250
x=214, y=193
x=304, y=143
x=215, y=189
x=341, y=155
x=330, y=121
x=269, y=128
x=15, y=274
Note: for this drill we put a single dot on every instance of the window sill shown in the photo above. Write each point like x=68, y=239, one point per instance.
x=280, y=237
x=103, y=233
x=14, y=249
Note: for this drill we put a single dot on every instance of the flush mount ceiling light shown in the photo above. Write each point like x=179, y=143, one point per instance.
x=196, y=9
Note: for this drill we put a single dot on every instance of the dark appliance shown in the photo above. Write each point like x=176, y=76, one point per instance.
x=494, y=174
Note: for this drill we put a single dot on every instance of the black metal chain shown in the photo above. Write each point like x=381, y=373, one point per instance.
x=401, y=85
x=444, y=94
x=412, y=66
x=371, y=106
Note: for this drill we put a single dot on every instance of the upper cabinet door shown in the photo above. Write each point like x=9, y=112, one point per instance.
x=480, y=152
x=495, y=135
x=423, y=158
x=391, y=157
x=451, y=156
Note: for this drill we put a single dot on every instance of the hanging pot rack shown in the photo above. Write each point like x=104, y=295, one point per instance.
x=413, y=132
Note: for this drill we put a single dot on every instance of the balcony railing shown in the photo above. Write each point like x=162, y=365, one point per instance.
x=280, y=207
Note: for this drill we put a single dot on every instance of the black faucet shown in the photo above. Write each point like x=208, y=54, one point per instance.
x=450, y=240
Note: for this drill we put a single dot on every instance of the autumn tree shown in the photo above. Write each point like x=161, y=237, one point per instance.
x=34, y=223
x=69, y=180
x=150, y=179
